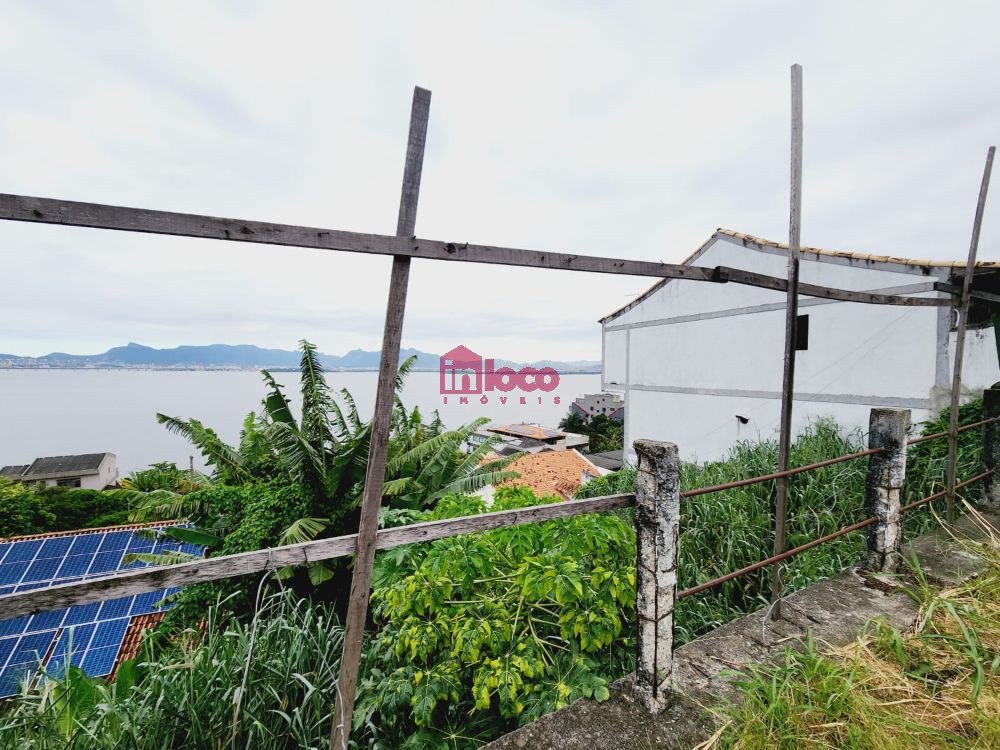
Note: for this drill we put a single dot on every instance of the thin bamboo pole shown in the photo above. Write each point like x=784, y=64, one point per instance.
x=791, y=318
x=357, y=612
x=963, y=317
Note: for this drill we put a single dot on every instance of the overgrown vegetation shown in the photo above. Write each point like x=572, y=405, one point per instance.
x=605, y=434
x=264, y=684
x=933, y=687
x=471, y=636
x=35, y=509
x=483, y=632
x=725, y=531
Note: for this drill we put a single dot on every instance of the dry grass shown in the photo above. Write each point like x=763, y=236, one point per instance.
x=936, y=685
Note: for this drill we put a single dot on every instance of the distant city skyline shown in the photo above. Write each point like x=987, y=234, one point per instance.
x=627, y=130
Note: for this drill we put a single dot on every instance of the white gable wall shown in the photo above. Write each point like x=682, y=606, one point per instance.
x=693, y=355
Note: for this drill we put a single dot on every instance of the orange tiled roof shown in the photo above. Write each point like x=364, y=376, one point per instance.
x=550, y=473
x=132, y=639
x=524, y=430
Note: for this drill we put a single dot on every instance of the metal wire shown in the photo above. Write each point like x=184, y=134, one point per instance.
x=821, y=464
x=963, y=428
x=779, y=474
x=822, y=540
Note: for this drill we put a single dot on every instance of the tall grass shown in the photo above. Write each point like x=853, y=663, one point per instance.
x=936, y=685
x=725, y=531
x=187, y=693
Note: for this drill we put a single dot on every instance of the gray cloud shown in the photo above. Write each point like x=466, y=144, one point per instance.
x=630, y=130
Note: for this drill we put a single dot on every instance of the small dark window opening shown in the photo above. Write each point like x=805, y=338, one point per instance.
x=802, y=333
x=74, y=482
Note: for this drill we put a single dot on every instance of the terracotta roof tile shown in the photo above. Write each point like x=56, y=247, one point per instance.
x=132, y=639
x=550, y=473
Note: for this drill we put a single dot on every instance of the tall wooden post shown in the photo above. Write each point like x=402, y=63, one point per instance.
x=963, y=316
x=884, y=486
x=357, y=612
x=657, y=524
x=791, y=318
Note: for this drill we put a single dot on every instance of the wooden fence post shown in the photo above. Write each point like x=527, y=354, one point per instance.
x=991, y=448
x=886, y=471
x=657, y=522
x=364, y=560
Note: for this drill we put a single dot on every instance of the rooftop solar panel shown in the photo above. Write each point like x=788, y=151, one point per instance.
x=89, y=634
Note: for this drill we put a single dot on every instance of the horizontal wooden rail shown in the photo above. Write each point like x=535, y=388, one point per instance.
x=99, y=216
x=258, y=561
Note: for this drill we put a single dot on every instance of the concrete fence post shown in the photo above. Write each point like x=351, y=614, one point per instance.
x=657, y=521
x=883, y=488
x=991, y=448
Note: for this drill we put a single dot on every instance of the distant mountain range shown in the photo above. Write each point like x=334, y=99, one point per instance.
x=244, y=357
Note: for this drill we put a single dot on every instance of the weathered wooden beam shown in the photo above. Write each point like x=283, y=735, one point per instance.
x=740, y=276
x=371, y=503
x=259, y=561
x=791, y=318
x=941, y=286
x=963, y=317
x=120, y=218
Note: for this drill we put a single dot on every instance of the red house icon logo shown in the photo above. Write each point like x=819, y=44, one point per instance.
x=461, y=371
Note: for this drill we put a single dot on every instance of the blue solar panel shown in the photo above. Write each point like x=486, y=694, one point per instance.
x=86, y=544
x=82, y=613
x=22, y=551
x=88, y=635
x=107, y=561
x=46, y=620
x=6, y=648
x=75, y=565
x=12, y=572
x=55, y=547
x=115, y=608
x=42, y=570
x=115, y=540
x=13, y=627
x=98, y=662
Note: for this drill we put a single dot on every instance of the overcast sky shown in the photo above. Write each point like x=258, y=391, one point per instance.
x=624, y=129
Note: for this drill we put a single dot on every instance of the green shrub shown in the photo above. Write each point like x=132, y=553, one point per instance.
x=189, y=692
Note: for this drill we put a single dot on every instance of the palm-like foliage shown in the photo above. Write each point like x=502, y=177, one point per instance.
x=421, y=471
x=325, y=451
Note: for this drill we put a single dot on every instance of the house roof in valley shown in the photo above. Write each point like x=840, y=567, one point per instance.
x=551, y=472
x=523, y=430
x=13, y=471
x=79, y=465
x=751, y=241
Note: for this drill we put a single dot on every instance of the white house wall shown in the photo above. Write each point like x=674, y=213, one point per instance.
x=701, y=353
x=705, y=427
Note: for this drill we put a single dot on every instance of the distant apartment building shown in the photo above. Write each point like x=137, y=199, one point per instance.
x=530, y=438
x=91, y=471
x=611, y=405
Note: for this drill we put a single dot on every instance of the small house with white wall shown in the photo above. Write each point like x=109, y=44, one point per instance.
x=91, y=471
x=700, y=364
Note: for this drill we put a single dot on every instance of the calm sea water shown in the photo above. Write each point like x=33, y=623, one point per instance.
x=58, y=412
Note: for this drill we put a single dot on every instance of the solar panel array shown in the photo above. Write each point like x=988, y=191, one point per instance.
x=90, y=634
